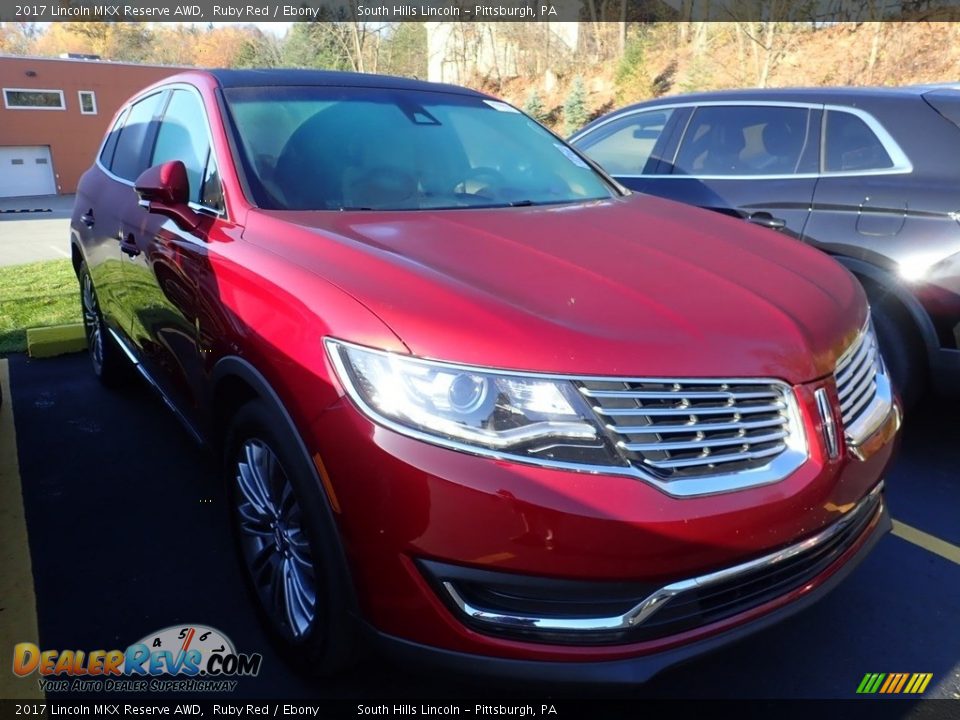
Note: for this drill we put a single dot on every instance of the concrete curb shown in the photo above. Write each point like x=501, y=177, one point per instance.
x=56, y=340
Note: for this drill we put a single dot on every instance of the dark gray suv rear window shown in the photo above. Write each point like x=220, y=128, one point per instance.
x=852, y=146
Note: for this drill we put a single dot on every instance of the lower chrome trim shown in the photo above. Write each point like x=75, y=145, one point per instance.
x=126, y=350
x=121, y=343
x=656, y=600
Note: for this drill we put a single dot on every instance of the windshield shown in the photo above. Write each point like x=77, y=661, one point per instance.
x=335, y=148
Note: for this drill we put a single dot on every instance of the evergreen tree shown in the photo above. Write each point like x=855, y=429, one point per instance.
x=575, y=112
x=534, y=107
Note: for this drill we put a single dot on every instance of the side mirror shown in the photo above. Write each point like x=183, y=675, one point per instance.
x=165, y=190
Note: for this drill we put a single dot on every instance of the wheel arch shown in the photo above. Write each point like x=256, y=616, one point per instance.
x=234, y=382
x=889, y=284
x=76, y=254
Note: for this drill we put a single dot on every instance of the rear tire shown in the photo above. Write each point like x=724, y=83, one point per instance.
x=287, y=543
x=108, y=362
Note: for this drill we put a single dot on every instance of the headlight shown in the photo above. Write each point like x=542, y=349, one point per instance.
x=486, y=411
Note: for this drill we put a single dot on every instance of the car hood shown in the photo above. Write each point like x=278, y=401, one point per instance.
x=634, y=286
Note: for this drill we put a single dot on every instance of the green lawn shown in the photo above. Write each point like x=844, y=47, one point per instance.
x=36, y=295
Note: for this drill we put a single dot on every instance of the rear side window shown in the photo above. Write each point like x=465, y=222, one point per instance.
x=623, y=146
x=106, y=155
x=130, y=155
x=742, y=140
x=183, y=136
x=851, y=145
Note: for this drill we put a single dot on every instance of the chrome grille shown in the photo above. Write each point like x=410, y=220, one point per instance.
x=677, y=429
x=856, y=376
x=866, y=398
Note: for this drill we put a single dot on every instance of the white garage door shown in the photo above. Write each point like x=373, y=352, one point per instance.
x=26, y=171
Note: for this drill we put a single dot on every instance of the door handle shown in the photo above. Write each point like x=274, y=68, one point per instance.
x=765, y=219
x=87, y=218
x=128, y=245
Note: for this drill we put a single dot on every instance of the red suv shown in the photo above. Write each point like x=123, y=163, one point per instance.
x=474, y=399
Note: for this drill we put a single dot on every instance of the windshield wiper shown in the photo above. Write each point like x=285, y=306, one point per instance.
x=522, y=203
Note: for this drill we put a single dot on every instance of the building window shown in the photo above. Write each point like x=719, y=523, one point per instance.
x=88, y=102
x=30, y=99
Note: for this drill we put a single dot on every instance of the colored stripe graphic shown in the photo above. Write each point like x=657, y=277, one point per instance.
x=894, y=683
x=862, y=687
x=892, y=679
x=870, y=683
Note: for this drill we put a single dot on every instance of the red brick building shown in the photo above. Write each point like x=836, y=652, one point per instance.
x=53, y=115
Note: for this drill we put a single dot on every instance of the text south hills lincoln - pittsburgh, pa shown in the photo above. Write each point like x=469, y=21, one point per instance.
x=490, y=10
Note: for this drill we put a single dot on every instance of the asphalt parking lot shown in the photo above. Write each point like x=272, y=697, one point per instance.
x=128, y=534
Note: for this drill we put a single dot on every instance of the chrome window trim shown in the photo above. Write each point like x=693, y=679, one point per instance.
x=778, y=469
x=901, y=163
x=659, y=598
x=165, y=88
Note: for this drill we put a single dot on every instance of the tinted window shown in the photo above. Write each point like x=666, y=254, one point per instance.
x=623, y=146
x=211, y=194
x=740, y=140
x=852, y=145
x=327, y=148
x=130, y=157
x=106, y=155
x=183, y=136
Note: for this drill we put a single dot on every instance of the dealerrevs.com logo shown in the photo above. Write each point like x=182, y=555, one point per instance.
x=185, y=658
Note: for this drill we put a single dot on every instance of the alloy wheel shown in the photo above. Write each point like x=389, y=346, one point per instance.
x=273, y=541
x=91, y=322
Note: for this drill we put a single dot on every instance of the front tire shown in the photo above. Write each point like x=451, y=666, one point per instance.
x=902, y=350
x=287, y=543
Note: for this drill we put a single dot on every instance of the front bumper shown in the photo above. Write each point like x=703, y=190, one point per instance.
x=573, y=613
x=642, y=668
x=405, y=503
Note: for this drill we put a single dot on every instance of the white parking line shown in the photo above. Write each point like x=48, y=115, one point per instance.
x=59, y=250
